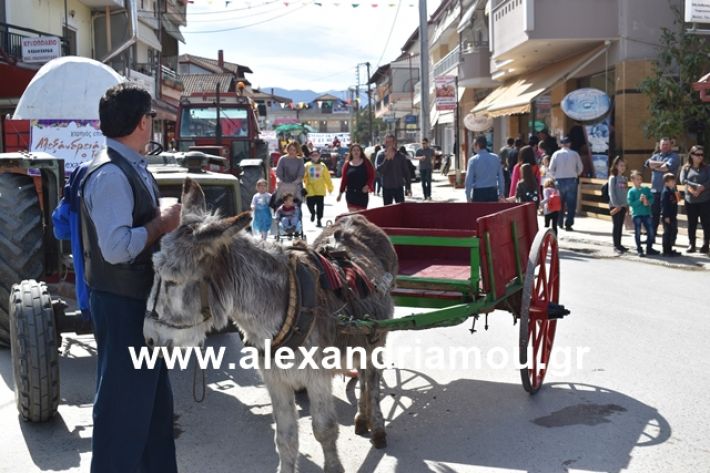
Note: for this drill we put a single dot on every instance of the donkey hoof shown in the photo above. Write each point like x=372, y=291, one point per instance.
x=379, y=439
x=361, y=427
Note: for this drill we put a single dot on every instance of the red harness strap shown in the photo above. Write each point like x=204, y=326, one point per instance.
x=355, y=277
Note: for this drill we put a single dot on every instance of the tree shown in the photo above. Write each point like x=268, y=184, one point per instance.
x=361, y=130
x=676, y=108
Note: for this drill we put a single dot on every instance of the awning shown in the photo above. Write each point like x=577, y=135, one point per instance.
x=172, y=29
x=516, y=96
x=466, y=18
x=147, y=36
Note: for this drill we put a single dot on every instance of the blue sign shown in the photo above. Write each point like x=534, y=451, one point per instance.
x=586, y=105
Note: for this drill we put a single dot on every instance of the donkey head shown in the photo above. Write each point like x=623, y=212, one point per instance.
x=179, y=306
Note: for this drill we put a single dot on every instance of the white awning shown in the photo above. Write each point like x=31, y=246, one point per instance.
x=516, y=96
x=172, y=29
x=466, y=18
x=147, y=36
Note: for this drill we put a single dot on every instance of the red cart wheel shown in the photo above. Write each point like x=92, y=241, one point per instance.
x=541, y=288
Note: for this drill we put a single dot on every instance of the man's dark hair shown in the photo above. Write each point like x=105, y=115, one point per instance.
x=510, y=141
x=425, y=140
x=481, y=141
x=121, y=109
x=519, y=143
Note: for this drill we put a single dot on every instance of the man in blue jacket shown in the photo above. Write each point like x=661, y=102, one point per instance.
x=67, y=226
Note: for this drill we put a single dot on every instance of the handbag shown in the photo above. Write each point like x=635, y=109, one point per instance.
x=554, y=203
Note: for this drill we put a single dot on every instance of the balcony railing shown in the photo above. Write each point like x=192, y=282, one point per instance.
x=447, y=63
x=11, y=39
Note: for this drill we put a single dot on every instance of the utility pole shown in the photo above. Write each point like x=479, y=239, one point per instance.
x=424, y=68
x=369, y=105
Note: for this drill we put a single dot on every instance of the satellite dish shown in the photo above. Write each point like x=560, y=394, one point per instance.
x=478, y=122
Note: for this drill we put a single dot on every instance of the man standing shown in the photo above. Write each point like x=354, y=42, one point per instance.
x=121, y=225
x=425, y=156
x=660, y=163
x=394, y=170
x=503, y=155
x=565, y=168
x=484, y=175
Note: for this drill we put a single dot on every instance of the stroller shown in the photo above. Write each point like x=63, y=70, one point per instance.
x=288, y=224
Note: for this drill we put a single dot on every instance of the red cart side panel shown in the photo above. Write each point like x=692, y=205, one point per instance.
x=500, y=228
x=16, y=135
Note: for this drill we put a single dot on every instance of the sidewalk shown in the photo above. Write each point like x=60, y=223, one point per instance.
x=592, y=236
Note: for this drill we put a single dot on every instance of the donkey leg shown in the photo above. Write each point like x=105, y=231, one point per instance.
x=362, y=418
x=325, y=423
x=286, y=439
x=378, y=437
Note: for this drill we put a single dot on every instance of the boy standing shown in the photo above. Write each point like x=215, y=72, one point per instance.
x=669, y=213
x=640, y=202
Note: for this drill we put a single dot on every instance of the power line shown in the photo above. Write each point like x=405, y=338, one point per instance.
x=239, y=17
x=249, y=7
x=389, y=35
x=234, y=28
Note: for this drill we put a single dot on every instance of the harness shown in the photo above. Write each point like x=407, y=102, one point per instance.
x=205, y=309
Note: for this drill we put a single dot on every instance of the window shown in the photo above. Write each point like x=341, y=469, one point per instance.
x=233, y=122
x=344, y=126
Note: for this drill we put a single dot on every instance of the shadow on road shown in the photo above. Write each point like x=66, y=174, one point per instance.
x=498, y=425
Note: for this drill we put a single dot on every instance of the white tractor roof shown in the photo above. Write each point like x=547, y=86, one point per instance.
x=67, y=88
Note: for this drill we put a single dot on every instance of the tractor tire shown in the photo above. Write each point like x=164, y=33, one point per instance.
x=21, y=236
x=35, y=360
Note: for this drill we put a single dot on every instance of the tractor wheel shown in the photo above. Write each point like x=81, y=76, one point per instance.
x=35, y=363
x=21, y=237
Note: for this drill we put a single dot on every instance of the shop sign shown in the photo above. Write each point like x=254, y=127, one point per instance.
x=697, y=11
x=586, y=105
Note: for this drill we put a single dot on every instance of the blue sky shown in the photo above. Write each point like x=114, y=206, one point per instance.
x=301, y=45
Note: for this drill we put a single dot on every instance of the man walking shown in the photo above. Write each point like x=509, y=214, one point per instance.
x=503, y=155
x=660, y=163
x=425, y=156
x=121, y=225
x=394, y=170
x=484, y=174
x=565, y=168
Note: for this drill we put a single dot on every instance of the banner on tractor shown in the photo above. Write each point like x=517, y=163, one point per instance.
x=75, y=141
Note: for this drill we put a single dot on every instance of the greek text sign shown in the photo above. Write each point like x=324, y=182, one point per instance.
x=41, y=49
x=697, y=11
x=75, y=141
x=586, y=104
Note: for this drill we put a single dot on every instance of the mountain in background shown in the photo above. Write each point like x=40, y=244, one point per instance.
x=303, y=95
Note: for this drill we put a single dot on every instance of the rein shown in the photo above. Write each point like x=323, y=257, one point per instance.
x=205, y=309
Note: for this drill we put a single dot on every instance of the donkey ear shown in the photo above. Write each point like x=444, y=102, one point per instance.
x=193, y=199
x=222, y=230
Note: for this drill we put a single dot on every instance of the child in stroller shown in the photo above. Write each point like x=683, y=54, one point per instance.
x=288, y=216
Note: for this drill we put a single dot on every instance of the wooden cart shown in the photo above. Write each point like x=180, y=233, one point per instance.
x=462, y=260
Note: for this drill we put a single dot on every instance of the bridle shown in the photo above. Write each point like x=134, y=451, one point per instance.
x=205, y=309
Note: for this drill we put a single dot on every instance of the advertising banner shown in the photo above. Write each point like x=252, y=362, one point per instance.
x=75, y=141
x=322, y=139
x=445, y=92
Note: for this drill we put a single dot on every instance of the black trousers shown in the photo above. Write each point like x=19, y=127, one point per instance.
x=670, y=231
x=315, y=205
x=697, y=212
x=552, y=218
x=425, y=175
x=388, y=195
x=655, y=214
x=133, y=408
x=618, y=226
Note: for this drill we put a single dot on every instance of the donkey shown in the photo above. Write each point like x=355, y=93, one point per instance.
x=209, y=271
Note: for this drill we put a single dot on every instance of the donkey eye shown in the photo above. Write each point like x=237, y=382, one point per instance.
x=169, y=284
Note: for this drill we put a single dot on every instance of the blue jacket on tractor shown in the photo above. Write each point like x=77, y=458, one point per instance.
x=67, y=226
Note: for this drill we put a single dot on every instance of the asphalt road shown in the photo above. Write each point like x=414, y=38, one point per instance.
x=636, y=402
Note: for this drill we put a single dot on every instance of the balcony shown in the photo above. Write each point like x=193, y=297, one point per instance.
x=475, y=69
x=448, y=64
x=100, y=4
x=528, y=33
x=11, y=39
